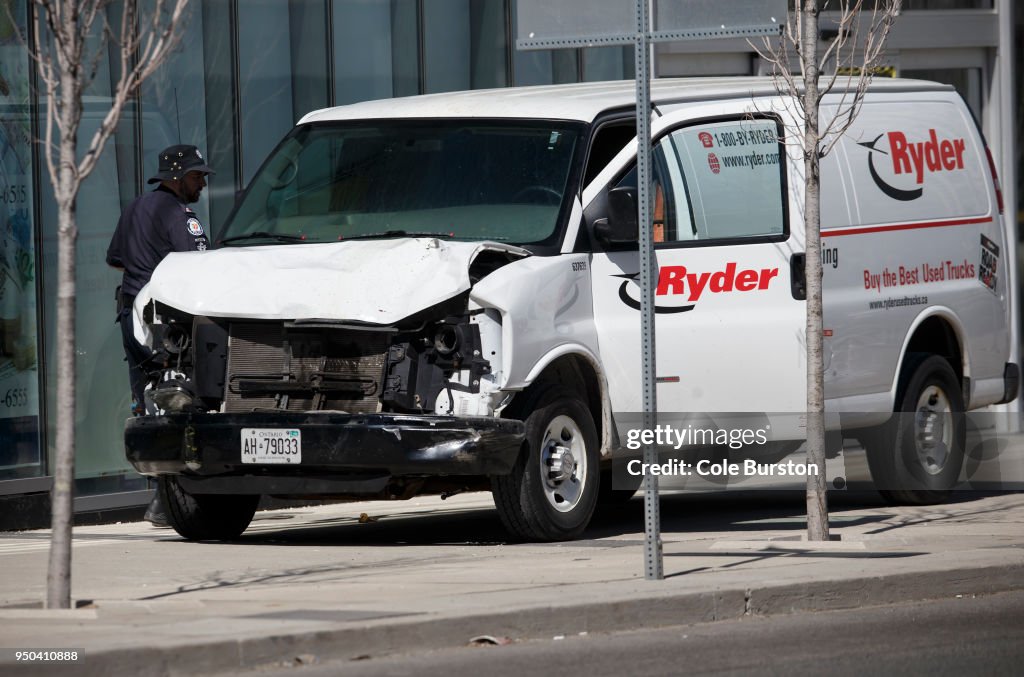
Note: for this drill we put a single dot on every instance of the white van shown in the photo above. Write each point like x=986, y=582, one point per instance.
x=441, y=292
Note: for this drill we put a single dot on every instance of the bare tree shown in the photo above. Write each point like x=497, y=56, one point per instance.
x=850, y=60
x=71, y=39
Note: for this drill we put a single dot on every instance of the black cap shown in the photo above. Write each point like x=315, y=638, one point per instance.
x=177, y=160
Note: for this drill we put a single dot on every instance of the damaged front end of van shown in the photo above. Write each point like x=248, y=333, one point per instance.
x=279, y=370
x=329, y=347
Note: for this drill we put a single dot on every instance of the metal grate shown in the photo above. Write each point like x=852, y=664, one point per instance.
x=317, y=368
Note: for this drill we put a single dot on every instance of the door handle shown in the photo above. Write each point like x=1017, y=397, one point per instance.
x=798, y=276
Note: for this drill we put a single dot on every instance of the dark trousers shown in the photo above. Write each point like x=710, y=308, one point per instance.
x=135, y=353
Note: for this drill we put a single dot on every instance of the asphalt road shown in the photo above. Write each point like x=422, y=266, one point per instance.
x=956, y=637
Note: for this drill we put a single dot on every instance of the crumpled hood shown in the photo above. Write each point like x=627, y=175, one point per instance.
x=375, y=281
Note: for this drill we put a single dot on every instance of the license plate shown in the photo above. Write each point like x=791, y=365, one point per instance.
x=271, y=445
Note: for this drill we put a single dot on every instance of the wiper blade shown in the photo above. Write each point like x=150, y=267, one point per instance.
x=264, y=235
x=394, y=233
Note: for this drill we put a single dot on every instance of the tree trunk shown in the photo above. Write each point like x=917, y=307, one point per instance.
x=58, y=579
x=817, y=505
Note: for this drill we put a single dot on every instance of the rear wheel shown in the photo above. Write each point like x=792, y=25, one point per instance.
x=916, y=459
x=206, y=517
x=552, y=490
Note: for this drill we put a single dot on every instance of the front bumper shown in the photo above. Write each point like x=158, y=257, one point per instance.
x=334, y=445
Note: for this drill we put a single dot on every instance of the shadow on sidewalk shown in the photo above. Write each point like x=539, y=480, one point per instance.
x=722, y=516
x=734, y=512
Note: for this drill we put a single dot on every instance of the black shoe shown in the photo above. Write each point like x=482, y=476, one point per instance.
x=155, y=513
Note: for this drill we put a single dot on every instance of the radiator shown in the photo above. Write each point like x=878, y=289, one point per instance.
x=271, y=366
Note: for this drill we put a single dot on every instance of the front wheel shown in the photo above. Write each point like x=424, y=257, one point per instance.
x=916, y=459
x=552, y=490
x=206, y=517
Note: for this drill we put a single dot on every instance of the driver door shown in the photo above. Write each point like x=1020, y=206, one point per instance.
x=729, y=322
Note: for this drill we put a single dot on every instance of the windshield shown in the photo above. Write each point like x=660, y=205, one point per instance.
x=465, y=179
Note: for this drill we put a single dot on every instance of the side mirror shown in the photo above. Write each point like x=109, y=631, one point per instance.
x=620, y=227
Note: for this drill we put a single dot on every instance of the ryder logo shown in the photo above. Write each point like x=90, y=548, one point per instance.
x=679, y=284
x=914, y=159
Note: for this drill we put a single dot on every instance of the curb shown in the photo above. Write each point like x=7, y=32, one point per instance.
x=644, y=611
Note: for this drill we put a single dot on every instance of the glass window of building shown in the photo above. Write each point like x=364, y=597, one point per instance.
x=464, y=45
x=102, y=393
x=946, y=4
x=386, y=66
x=608, y=63
x=265, y=80
x=20, y=448
x=966, y=81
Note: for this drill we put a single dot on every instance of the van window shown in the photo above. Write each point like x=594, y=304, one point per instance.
x=718, y=181
x=472, y=179
x=608, y=140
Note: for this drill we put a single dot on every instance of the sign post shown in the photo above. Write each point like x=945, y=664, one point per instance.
x=653, y=569
x=572, y=24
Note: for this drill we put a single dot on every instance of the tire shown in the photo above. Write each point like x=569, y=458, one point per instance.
x=551, y=493
x=206, y=517
x=916, y=459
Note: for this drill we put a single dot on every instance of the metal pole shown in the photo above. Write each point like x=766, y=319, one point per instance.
x=648, y=266
x=1004, y=134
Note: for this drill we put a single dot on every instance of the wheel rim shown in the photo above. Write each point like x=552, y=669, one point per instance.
x=933, y=429
x=563, y=463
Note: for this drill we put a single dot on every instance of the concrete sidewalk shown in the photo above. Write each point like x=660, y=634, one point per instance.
x=320, y=581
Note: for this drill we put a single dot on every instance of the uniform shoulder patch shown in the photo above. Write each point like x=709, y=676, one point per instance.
x=194, y=227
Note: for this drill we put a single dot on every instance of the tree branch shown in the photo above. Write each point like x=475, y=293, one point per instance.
x=160, y=41
x=858, y=62
x=883, y=15
x=44, y=66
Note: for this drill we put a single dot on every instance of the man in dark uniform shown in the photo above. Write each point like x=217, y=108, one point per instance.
x=151, y=227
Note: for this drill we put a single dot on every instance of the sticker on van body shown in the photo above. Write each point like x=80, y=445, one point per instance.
x=917, y=159
x=988, y=269
x=677, y=281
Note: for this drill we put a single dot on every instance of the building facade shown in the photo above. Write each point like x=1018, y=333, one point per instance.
x=244, y=71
